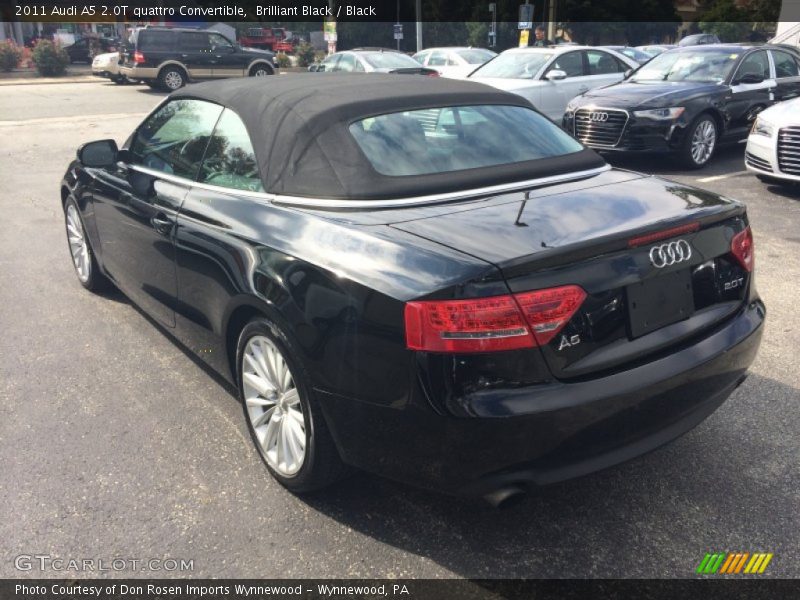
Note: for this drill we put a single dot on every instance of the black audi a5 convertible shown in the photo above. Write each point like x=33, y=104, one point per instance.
x=424, y=279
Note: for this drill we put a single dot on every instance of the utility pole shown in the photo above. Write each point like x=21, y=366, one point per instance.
x=418, y=9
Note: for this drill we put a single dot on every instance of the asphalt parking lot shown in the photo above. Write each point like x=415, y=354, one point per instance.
x=115, y=443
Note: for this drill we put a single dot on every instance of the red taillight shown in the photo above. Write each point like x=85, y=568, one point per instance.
x=743, y=250
x=547, y=311
x=432, y=74
x=138, y=57
x=491, y=324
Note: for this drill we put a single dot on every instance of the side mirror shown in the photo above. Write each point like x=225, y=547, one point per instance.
x=556, y=75
x=749, y=78
x=102, y=153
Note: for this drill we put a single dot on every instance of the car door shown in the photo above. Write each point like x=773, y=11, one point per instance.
x=226, y=60
x=787, y=75
x=555, y=94
x=194, y=48
x=136, y=202
x=748, y=98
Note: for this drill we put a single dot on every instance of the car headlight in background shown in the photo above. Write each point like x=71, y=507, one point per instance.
x=661, y=114
x=762, y=127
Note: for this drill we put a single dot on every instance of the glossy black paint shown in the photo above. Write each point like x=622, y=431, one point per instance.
x=204, y=261
x=734, y=106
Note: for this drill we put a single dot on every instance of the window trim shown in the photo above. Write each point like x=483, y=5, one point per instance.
x=770, y=65
x=772, y=53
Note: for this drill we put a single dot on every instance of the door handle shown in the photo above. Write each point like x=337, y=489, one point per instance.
x=162, y=223
x=184, y=56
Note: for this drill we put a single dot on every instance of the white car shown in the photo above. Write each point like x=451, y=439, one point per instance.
x=773, y=147
x=455, y=62
x=107, y=66
x=551, y=77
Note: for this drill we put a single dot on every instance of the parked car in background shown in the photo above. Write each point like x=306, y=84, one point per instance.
x=276, y=39
x=639, y=56
x=456, y=62
x=107, y=66
x=773, y=147
x=426, y=279
x=81, y=50
x=655, y=50
x=686, y=101
x=550, y=77
x=171, y=57
x=698, y=39
x=372, y=60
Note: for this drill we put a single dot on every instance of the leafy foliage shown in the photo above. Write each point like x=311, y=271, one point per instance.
x=10, y=55
x=50, y=59
x=283, y=60
x=305, y=54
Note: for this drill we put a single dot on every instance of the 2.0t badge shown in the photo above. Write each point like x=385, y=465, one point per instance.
x=670, y=254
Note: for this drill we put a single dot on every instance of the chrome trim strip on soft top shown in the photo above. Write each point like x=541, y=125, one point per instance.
x=323, y=203
x=438, y=198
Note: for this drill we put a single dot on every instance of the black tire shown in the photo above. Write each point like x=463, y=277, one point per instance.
x=120, y=80
x=171, y=78
x=322, y=465
x=264, y=69
x=702, y=123
x=95, y=281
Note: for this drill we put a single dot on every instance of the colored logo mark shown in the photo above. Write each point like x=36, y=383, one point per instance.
x=733, y=563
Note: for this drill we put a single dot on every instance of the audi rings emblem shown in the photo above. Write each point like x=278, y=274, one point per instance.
x=670, y=254
x=598, y=117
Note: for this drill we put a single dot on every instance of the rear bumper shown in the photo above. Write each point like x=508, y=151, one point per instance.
x=551, y=432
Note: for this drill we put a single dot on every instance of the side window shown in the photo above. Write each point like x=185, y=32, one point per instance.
x=571, y=63
x=346, y=64
x=437, y=59
x=220, y=42
x=360, y=66
x=452, y=60
x=155, y=41
x=755, y=64
x=785, y=64
x=174, y=139
x=420, y=57
x=602, y=63
x=195, y=41
x=230, y=161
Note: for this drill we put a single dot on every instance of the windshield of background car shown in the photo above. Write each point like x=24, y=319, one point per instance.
x=475, y=56
x=711, y=66
x=389, y=60
x=440, y=140
x=514, y=65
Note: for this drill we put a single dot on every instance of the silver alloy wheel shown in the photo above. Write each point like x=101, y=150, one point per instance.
x=703, y=142
x=77, y=244
x=273, y=406
x=173, y=80
x=261, y=72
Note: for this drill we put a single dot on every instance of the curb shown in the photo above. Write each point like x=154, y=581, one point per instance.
x=51, y=80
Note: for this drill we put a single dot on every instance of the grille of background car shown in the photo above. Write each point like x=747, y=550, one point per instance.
x=595, y=133
x=789, y=150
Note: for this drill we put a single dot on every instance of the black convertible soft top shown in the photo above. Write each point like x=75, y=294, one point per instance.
x=299, y=128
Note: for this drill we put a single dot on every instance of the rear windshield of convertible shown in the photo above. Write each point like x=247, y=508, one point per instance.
x=439, y=140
